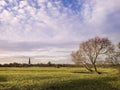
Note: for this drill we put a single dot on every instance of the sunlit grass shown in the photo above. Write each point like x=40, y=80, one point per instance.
x=51, y=78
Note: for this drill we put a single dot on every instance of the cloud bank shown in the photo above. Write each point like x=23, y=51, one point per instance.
x=33, y=25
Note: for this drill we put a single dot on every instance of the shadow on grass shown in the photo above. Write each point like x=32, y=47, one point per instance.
x=3, y=79
x=79, y=84
x=82, y=72
x=83, y=84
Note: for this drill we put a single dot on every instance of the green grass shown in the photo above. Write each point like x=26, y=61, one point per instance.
x=50, y=78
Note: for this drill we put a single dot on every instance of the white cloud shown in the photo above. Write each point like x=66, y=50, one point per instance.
x=54, y=23
x=23, y=4
x=37, y=22
x=2, y=3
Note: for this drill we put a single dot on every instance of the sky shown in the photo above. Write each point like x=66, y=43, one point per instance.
x=49, y=30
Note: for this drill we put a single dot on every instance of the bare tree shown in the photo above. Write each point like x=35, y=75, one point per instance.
x=119, y=50
x=118, y=45
x=79, y=59
x=90, y=50
x=114, y=54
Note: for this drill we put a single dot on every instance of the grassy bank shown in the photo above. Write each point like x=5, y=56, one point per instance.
x=50, y=78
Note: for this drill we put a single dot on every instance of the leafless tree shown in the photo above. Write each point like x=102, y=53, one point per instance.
x=90, y=50
x=114, y=54
x=118, y=45
x=79, y=59
x=117, y=54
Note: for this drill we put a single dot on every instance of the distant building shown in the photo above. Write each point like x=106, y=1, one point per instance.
x=29, y=62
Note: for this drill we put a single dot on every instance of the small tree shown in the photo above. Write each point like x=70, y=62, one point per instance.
x=90, y=50
x=49, y=63
x=117, y=54
x=114, y=54
x=118, y=45
x=118, y=51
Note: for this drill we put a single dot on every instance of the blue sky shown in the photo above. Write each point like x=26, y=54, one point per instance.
x=54, y=28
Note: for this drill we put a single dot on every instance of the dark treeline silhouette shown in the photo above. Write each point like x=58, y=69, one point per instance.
x=49, y=64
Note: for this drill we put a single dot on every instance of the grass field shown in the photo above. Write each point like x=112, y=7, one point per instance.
x=50, y=78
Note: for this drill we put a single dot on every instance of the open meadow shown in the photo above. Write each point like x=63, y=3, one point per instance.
x=64, y=78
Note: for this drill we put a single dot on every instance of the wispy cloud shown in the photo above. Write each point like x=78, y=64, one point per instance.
x=29, y=25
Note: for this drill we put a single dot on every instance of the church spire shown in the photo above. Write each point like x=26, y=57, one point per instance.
x=29, y=61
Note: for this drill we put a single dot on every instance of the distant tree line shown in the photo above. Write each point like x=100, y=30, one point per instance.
x=49, y=64
x=99, y=64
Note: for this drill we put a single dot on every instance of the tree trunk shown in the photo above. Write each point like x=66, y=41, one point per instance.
x=88, y=68
x=96, y=68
